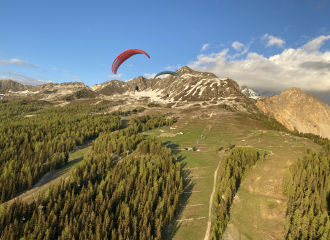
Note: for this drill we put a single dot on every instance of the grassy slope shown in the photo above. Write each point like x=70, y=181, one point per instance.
x=259, y=205
x=200, y=166
x=259, y=209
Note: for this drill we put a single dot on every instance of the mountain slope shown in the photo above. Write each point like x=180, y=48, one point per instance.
x=198, y=86
x=296, y=109
x=192, y=86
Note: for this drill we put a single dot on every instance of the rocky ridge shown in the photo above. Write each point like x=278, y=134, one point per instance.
x=49, y=91
x=193, y=86
x=298, y=110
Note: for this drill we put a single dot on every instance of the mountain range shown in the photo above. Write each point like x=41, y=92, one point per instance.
x=293, y=108
x=193, y=86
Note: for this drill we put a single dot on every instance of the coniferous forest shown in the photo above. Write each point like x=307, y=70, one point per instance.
x=32, y=146
x=307, y=186
x=133, y=198
x=129, y=187
x=234, y=168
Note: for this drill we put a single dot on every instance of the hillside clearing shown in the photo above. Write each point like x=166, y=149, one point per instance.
x=53, y=177
x=260, y=200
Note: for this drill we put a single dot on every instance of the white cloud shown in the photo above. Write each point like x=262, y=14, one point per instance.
x=286, y=28
x=240, y=48
x=67, y=73
x=75, y=77
x=117, y=76
x=205, y=46
x=150, y=75
x=301, y=67
x=64, y=71
x=171, y=68
x=271, y=40
x=25, y=80
x=323, y=31
x=237, y=45
x=17, y=62
x=316, y=43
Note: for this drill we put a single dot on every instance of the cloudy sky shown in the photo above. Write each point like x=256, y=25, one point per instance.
x=267, y=45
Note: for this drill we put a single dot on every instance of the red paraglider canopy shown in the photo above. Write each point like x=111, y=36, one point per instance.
x=124, y=56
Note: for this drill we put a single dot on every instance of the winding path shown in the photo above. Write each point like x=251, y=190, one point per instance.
x=207, y=234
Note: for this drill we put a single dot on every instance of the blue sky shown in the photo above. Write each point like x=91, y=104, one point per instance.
x=267, y=45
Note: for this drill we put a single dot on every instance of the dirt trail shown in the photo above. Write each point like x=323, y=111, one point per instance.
x=207, y=234
x=33, y=192
x=46, y=180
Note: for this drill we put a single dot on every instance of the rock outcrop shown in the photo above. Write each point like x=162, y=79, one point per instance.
x=298, y=110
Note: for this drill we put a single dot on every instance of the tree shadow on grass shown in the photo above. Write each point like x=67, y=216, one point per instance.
x=180, y=159
x=184, y=172
x=173, y=146
x=174, y=226
x=188, y=185
x=220, y=149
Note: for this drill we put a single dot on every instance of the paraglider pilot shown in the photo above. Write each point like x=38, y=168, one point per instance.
x=136, y=88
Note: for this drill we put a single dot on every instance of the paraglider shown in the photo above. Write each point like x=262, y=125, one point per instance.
x=167, y=72
x=124, y=56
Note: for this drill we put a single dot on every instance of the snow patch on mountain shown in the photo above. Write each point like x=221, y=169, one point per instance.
x=250, y=93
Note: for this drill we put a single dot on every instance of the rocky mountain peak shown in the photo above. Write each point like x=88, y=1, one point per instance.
x=139, y=79
x=10, y=85
x=187, y=72
x=250, y=93
x=297, y=109
x=185, y=69
x=293, y=91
